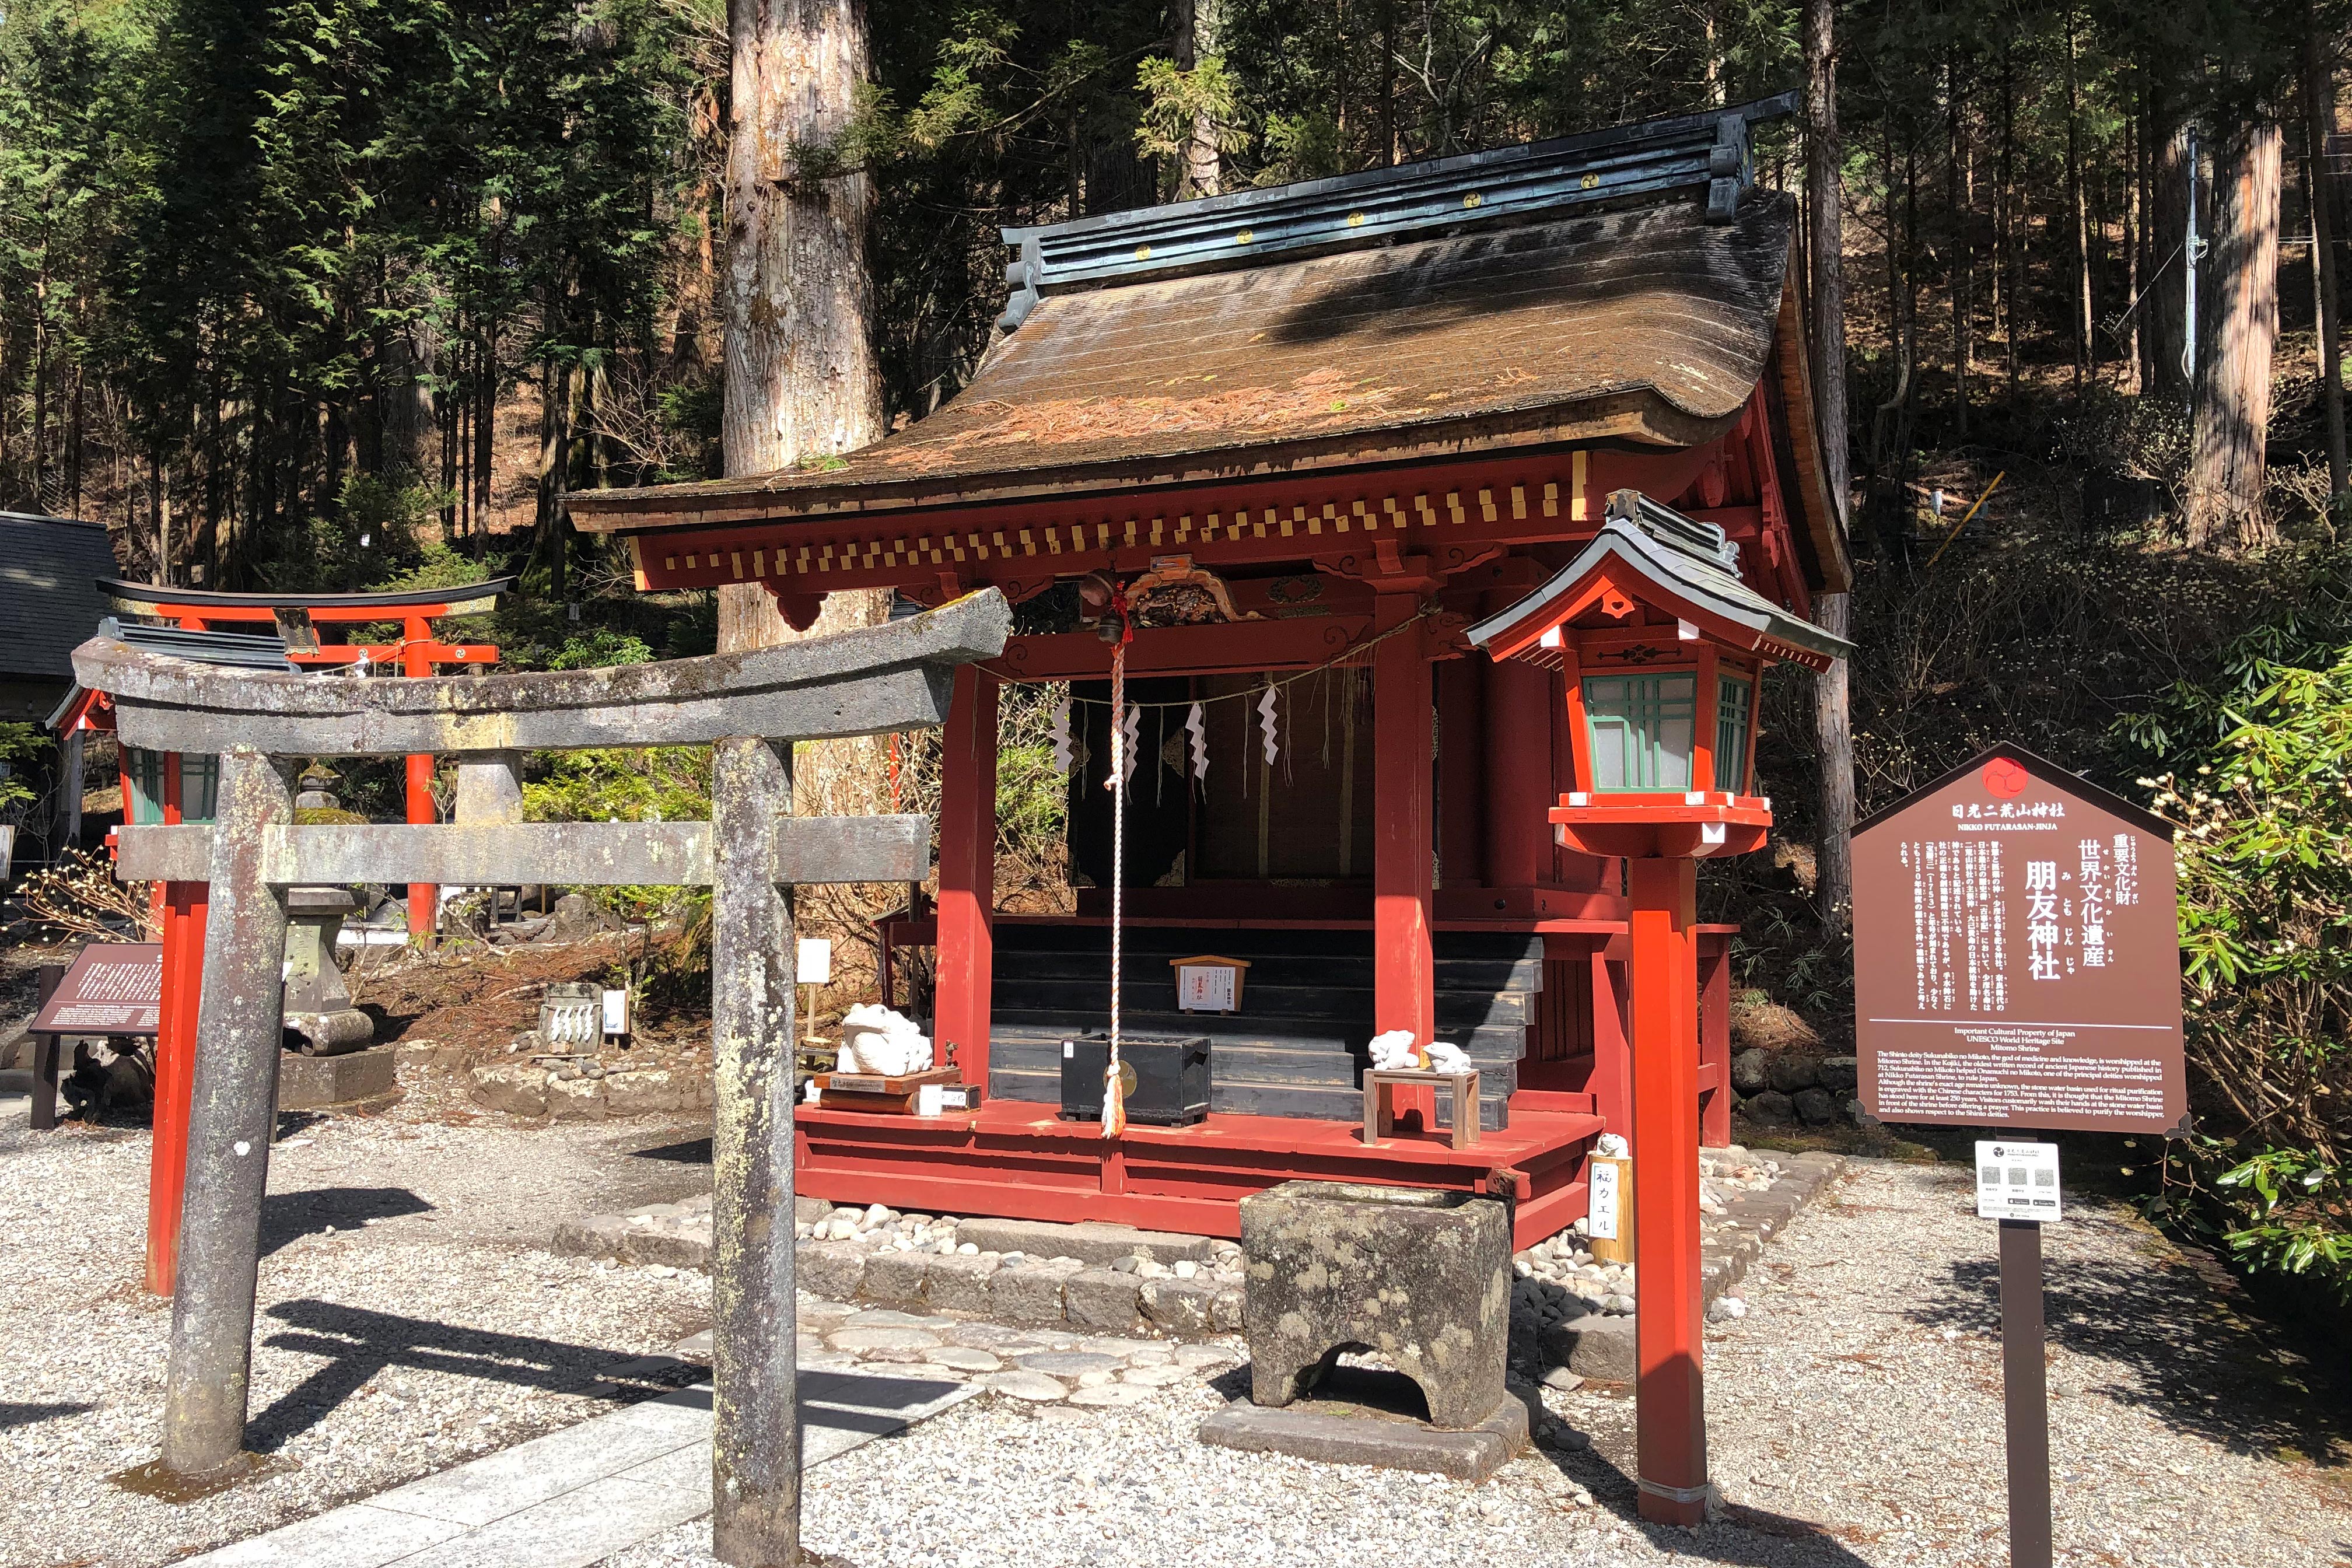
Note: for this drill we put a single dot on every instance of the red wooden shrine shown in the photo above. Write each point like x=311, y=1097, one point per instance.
x=1378, y=409
x=183, y=906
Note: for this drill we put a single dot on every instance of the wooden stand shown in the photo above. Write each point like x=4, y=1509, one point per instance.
x=1379, y=1102
x=872, y=1091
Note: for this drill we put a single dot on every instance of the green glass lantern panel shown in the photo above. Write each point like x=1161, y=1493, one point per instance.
x=143, y=770
x=1731, y=734
x=1642, y=727
x=199, y=787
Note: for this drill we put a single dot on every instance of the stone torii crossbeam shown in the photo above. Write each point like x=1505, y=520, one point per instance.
x=749, y=706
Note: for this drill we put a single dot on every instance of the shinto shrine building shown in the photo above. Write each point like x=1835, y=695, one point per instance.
x=1364, y=413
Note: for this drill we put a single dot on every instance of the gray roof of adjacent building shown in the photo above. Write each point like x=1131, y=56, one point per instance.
x=50, y=566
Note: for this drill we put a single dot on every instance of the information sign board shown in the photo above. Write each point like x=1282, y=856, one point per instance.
x=2017, y=956
x=2018, y=1181
x=111, y=988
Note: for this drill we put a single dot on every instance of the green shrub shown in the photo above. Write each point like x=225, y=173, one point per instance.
x=2264, y=853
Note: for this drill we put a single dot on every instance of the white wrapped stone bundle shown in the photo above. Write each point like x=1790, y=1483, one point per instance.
x=874, y=1039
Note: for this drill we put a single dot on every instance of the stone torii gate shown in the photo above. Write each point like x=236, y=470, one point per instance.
x=749, y=706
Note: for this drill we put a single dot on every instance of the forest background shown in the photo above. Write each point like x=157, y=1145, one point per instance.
x=338, y=293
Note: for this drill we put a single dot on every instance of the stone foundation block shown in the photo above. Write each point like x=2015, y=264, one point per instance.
x=1181, y=1306
x=1102, y=1300
x=641, y=1091
x=1422, y=1278
x=305, y=1083
x=958, y=1283
x=1091, y=1241
x=1469, y=1455
x=576, y=1099
x=517, y=1091
x=1030, y=1292
x=1596, y=1346
x=680, y=1250
x=895, y=1275
x=598, y=1235
x=832, y=1270
x=1226, y=1311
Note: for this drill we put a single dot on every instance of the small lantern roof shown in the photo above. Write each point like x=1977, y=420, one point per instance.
x=1672, y=563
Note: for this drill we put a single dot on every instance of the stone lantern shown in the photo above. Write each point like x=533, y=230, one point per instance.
x=1663, y=644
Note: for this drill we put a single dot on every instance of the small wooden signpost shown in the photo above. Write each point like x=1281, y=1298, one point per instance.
x=2017, y=965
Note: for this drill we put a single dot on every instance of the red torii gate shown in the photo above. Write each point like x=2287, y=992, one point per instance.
x=183, y=904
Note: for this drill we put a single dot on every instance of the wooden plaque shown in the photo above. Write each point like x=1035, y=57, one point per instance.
x=2017, y=955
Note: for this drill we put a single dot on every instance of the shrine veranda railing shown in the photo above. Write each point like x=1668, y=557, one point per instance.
x=750, y=707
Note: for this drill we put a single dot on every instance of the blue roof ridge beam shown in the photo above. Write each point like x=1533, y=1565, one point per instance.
x=1708, y=150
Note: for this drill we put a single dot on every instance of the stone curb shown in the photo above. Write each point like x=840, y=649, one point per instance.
x=1467, y=1456
x=1070, y=1284
x=1601, y=1347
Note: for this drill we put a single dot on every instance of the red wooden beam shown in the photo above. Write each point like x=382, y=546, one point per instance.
x=1021, y=546
x=1018, y=1160
x=357, y=615
x=1240, y=647
x=967, y=864
x=426, y=652
x=1403, y=965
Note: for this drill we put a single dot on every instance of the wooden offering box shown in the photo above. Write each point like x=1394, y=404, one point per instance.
x=891, y=1096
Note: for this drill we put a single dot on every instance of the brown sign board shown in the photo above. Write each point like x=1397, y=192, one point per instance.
x=2017, y=955
x=111, y=988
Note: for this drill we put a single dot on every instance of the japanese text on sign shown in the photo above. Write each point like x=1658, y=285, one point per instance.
x=2016, y=956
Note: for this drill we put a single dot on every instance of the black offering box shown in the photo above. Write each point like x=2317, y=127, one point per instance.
x=1166, y=1076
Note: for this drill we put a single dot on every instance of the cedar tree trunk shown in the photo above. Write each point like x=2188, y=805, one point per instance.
x=801, y=378
x=1824, y=196
x=2318, y=101
x=2233, y=400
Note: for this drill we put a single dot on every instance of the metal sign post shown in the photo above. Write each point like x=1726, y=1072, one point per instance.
x=2017, y=1185
x=2025, y=1394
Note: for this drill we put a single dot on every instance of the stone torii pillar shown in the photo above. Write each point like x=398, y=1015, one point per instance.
x=749, y=707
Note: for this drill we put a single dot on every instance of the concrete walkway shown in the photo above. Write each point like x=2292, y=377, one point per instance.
x=572, y=1497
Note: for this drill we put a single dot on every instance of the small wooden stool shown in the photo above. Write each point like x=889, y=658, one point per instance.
x=1380, y=1101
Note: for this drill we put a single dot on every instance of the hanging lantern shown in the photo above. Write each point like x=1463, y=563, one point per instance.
x=1661, y=643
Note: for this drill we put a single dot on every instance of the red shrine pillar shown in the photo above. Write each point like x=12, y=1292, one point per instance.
x=967, y=874
x=1404, y=969
x=1670, y=1406
x=184, y=908
x=423, y=896
x=1520, y=790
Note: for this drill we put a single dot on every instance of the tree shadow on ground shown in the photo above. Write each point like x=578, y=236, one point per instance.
x=287, y=1217
x=356, y=1344
x=14, y=1415
x=2183, y=1350
x=693, y=1152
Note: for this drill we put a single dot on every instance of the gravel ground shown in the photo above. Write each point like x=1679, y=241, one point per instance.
x=1856, y=1419
x=410, y=1316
